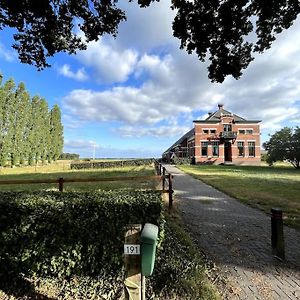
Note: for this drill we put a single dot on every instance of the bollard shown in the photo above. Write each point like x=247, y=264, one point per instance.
x=277, y=233
x=61, y=184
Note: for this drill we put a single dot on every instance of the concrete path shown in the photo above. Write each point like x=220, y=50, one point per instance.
x=238, y=239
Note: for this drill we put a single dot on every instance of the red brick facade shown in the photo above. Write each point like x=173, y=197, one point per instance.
x=222, y=138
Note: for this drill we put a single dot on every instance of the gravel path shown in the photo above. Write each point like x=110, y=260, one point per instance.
x=238, y=239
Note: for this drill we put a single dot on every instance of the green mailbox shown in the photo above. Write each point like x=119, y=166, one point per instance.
x=148, y=248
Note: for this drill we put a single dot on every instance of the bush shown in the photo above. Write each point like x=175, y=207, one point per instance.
x=181, y=161
x=65, y=234
x=111, y=164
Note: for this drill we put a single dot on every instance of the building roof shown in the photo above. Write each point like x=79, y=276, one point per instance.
x=185, y=136
x=216, y=117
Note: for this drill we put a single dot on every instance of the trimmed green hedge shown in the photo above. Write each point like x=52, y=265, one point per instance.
x=111, y=164
x=65, y=234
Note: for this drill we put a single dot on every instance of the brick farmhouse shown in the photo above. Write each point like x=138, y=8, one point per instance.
x=223, y=137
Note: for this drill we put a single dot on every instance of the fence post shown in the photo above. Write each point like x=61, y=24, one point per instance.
x=170, y=191
x=61, y=184
x=160, y=166
x=164, y=179
x=277, y=233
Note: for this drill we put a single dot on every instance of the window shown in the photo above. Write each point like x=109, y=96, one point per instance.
x=251, y=148
x=227, y=127
x=241, y=131
x=215, y=148
x=204, y=148
x=205, y=131
x=249, y=131
x=241, y=151
x=213, y=131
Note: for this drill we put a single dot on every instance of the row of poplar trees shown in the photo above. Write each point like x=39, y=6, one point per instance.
x=29, y=132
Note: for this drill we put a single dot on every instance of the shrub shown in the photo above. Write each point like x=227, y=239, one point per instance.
x=111, y=164
x=65, y=234
x=181, y=161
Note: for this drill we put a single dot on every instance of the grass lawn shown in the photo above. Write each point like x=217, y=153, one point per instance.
x=62, y=169
x=262, y=187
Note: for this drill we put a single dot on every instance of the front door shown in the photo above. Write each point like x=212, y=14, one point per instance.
x=227, y=151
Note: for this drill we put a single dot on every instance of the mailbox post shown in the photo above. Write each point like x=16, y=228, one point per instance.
x=137, y=268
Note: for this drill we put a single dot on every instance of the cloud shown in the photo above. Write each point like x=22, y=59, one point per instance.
x=86, y=149
x=79, y=75
x=8, y=55
x=110, y=65
x=80, y=144
x=160, y=131
x=166, y=82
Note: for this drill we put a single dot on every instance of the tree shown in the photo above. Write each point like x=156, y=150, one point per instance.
x=56, y=134
x=6, y=119
x=214, y=29
x=284, y=145
x=20, y=119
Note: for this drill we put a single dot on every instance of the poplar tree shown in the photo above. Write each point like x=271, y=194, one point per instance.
x=7, y=111
x=28, y=130
x=56, y=134
x=44, y=132
x=21, y=105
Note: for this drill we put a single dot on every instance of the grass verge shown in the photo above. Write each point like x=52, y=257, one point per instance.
x=180, y=270
x=261, y=187
x=55, y=172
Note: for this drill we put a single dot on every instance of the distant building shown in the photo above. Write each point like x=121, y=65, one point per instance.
x=223, y=137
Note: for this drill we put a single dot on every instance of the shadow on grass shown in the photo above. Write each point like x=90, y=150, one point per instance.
x=15, y=285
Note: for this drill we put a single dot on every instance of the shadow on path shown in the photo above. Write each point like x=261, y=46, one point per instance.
x=238, y=239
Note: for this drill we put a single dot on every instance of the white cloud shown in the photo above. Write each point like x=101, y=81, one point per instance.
x=86, y=149
x=161, y=131
x=8, y=55
x=80, y=144
x=172, y=83
x=66, y=71
x=109, y=64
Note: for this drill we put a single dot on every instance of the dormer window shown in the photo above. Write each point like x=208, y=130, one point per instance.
x=227, y=127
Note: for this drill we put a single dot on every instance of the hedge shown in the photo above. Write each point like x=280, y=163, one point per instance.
x=111, y=164
x=66, y=234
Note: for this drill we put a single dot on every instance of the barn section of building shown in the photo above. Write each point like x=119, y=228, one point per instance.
x=223, y=137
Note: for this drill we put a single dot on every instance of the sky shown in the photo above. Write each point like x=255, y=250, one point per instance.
x=135, y=95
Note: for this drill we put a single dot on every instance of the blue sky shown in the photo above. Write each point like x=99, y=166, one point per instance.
x=133, y=96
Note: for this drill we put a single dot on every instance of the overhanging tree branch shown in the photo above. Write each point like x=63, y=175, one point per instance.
x=216, y=30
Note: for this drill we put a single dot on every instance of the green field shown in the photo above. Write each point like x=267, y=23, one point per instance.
x=262, y=187
x=62, y=169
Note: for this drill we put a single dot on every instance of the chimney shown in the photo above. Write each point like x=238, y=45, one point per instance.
x=220, y=106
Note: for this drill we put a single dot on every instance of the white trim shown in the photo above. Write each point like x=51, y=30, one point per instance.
x=205, y=124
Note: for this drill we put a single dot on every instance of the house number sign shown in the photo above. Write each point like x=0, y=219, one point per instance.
x=131, y=249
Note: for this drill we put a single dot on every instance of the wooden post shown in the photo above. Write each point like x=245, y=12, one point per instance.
x=133, y=278
x=170, y=191
x=277, y=233
x=164, y=179
x=61, y=184
x=160, y=166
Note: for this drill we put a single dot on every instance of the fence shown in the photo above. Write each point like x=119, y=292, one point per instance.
x=165, y=178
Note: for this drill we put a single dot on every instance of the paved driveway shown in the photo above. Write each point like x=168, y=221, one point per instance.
x=238, y=239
